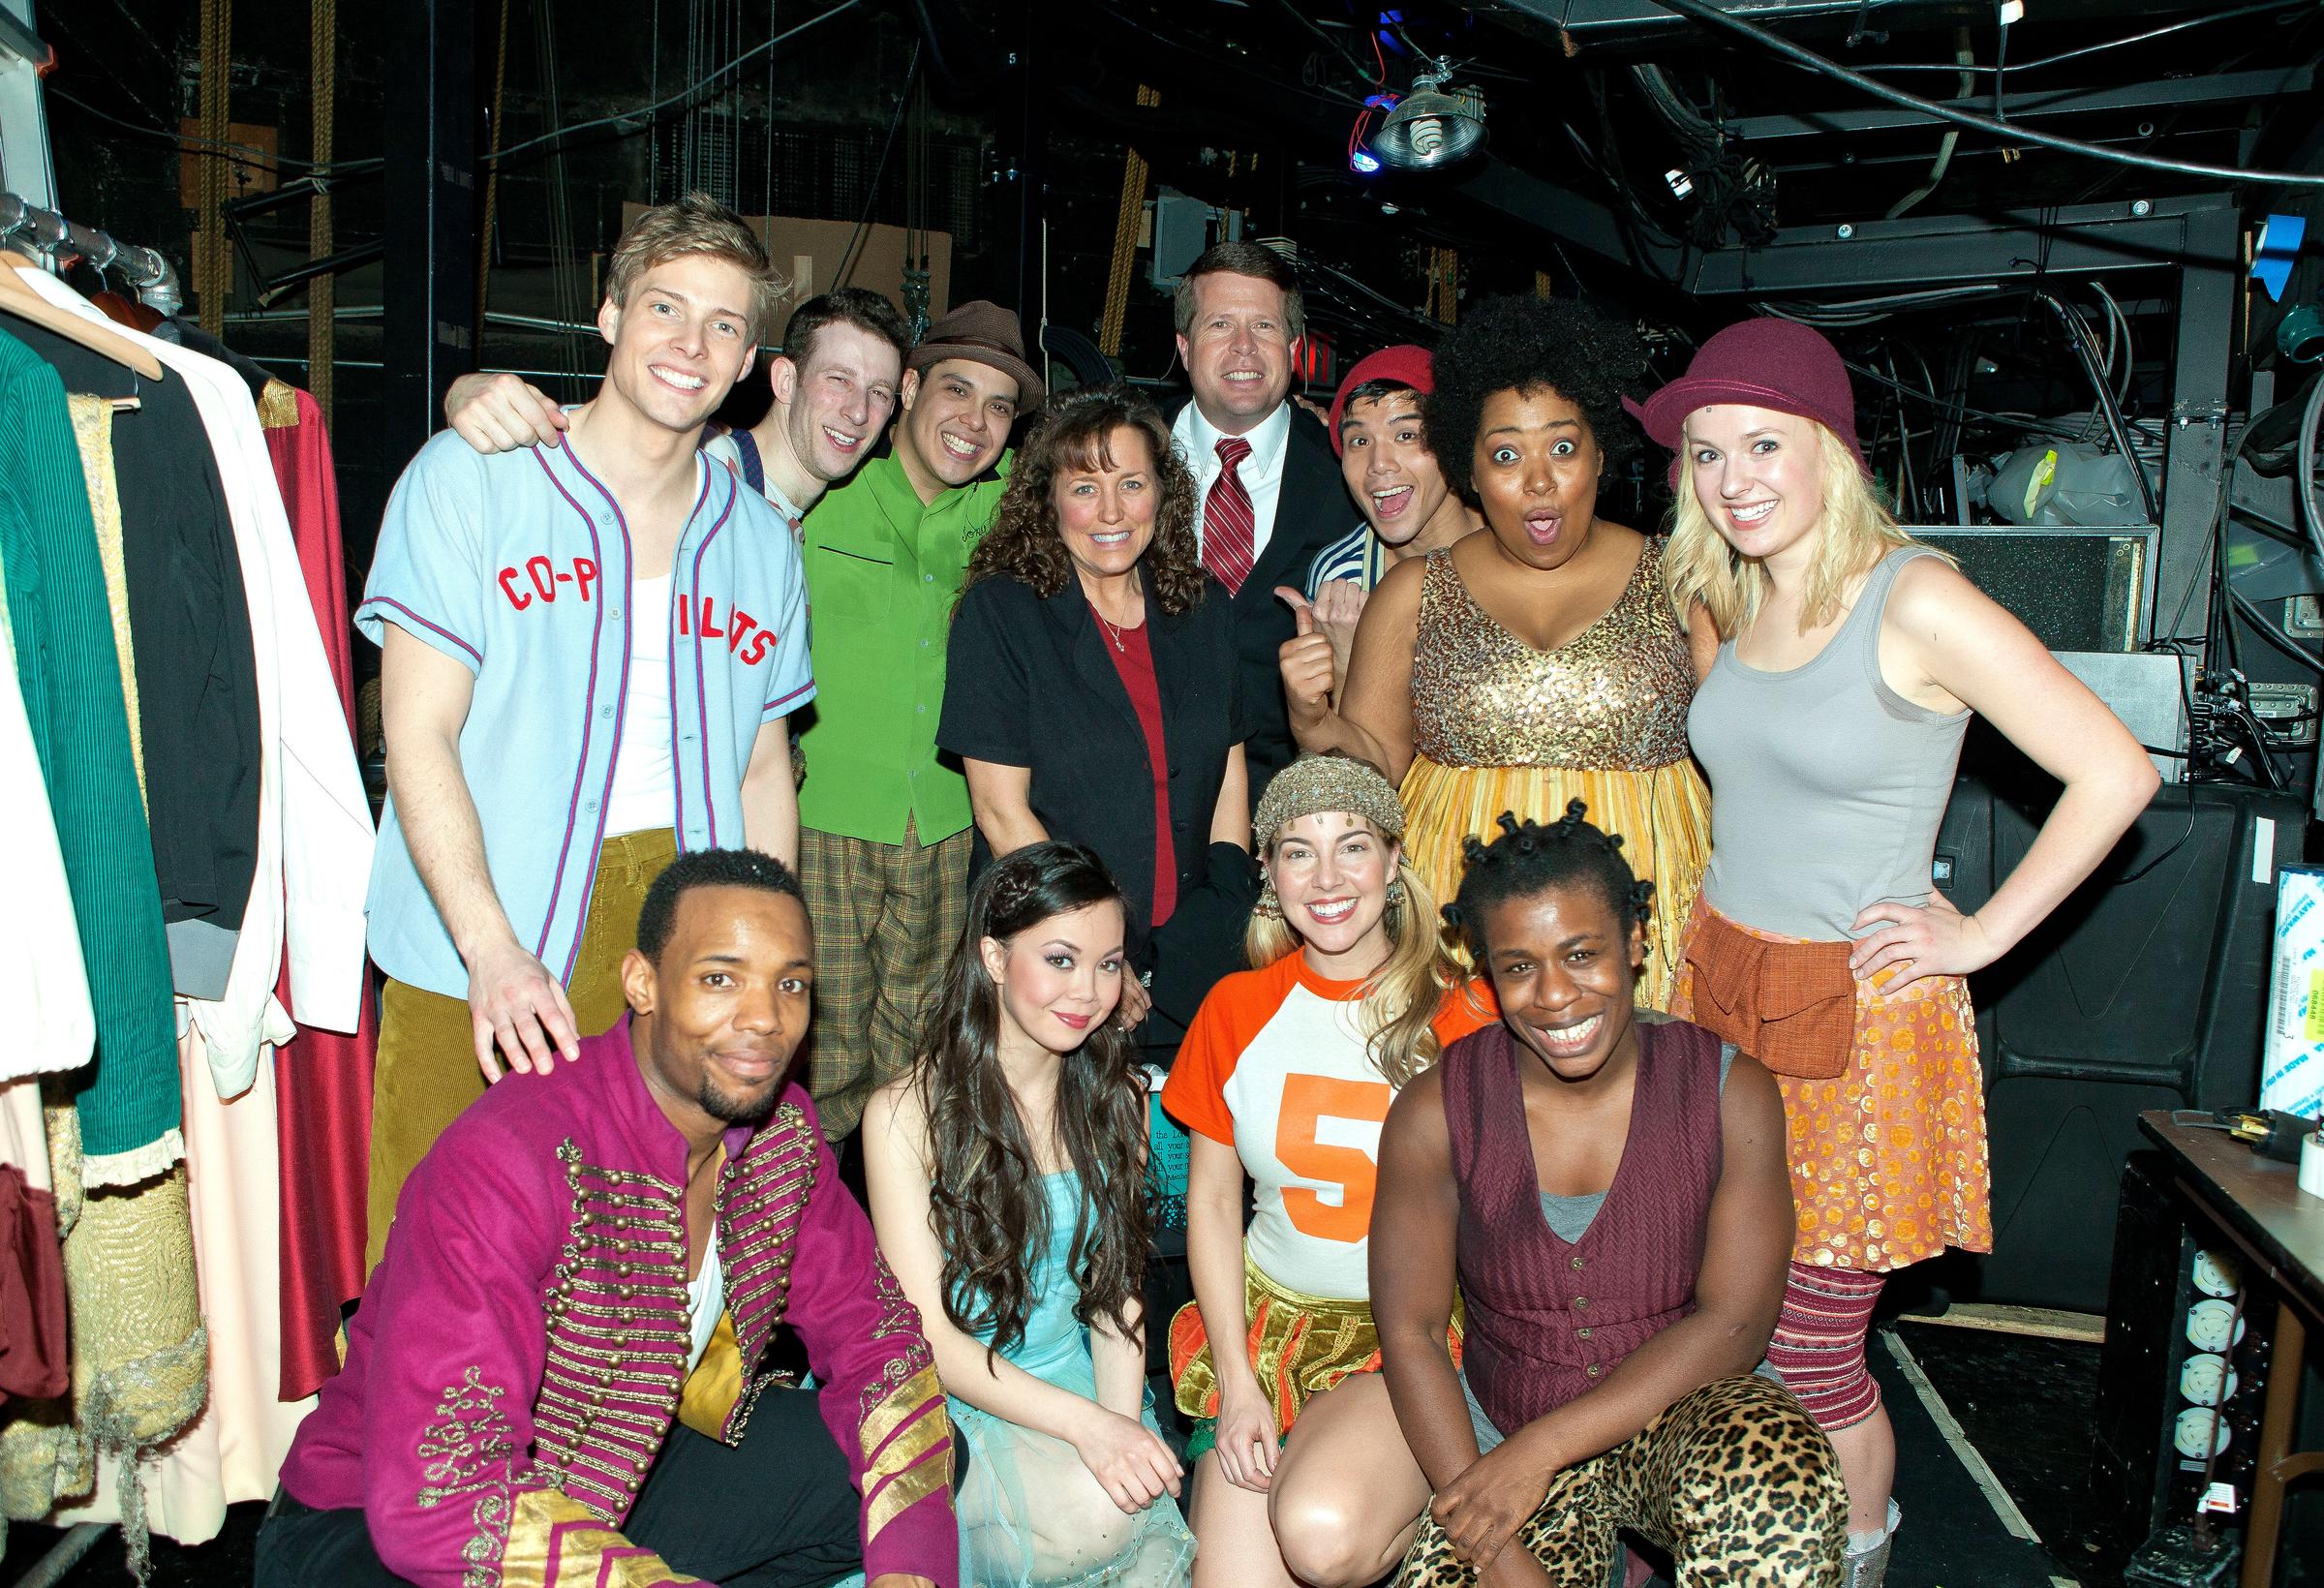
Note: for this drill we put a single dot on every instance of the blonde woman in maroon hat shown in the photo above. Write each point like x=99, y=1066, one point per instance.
x=1830, y=723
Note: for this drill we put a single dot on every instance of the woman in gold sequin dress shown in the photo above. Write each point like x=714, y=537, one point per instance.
x=1539, y=662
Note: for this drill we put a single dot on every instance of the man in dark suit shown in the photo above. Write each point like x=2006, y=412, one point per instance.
x=1269, y=487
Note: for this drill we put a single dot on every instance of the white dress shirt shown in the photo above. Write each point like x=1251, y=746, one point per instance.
x=1261, y=473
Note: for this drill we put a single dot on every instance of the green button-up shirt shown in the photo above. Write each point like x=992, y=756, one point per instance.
x=883, y=573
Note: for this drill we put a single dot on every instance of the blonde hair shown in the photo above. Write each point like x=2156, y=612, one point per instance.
x=1396, y=1008
x=695, y=225
x=1854, y=532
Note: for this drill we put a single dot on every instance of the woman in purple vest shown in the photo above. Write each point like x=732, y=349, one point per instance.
x=1609, y=1189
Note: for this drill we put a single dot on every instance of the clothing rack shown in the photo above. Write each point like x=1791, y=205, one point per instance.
x=48, y=233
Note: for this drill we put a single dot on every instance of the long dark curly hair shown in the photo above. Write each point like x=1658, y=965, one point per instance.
x=991, y=1217
x=1525, y=344
x=1074, y=430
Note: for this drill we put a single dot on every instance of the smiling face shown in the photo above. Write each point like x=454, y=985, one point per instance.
x=720, y=1010
x=1058, y=979
x=1237, y=349
x=1390, y=470
x=1759, y=477
x=838, y=398
x=680, y=341
x=1536, y=467
x=1106, y=504
x=1564, y=970
x=1331, y=872
x=957, y=415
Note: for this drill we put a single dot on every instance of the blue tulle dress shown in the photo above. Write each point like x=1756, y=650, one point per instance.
x=1031, y=1516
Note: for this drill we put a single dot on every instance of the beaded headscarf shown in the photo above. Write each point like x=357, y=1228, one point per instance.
x=1327, y=782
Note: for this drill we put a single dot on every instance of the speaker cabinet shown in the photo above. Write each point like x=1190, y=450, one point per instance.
x=2146, y=989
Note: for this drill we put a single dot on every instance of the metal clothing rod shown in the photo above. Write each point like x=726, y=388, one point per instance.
x=49, y=232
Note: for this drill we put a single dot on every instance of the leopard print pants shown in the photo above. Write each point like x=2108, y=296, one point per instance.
x=1735, y=1481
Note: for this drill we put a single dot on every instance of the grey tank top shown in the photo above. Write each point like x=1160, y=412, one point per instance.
x=1826, y=784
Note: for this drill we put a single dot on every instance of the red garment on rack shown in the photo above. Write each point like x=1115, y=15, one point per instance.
x=323, y=1079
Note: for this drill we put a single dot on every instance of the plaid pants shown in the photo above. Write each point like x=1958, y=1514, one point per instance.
x=886, y=918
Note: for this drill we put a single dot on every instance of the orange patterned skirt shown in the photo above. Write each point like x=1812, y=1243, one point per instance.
x=1888, y=1157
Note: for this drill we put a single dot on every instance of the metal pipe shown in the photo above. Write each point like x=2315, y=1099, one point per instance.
x=49, y=232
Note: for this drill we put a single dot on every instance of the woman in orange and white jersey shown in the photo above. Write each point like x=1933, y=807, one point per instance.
x=1284, y=1079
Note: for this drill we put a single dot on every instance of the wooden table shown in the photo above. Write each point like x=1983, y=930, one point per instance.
x=2258, y=1204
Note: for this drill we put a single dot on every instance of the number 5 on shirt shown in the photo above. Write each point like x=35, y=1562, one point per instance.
x=1307, y=1101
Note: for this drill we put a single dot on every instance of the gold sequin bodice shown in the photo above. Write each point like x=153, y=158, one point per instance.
x=1612, y=698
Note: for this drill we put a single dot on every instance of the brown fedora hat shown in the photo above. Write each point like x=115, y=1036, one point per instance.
x=982, y=334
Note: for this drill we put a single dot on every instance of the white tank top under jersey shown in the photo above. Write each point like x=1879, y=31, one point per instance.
x=705, y=1302
x=645, y=794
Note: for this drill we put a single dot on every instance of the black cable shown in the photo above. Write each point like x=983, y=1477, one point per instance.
x=2078, y=332
x=2306, y=482
x=2273, y=635
x=887, y=145
x=2104, y=44
x=241, y=153
x=648, y=112
x=1704, y=11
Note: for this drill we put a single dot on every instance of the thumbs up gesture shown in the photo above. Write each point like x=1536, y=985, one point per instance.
x=1309, y=662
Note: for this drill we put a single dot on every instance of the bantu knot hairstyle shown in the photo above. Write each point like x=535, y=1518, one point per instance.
x=1529, y=858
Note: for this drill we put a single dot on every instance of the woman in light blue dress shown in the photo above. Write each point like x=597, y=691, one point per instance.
x=1007, y=1177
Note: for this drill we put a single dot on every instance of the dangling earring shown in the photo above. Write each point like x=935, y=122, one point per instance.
x=1268, y=907
x=1396, y=891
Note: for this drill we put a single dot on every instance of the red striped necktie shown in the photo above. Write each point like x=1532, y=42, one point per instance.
x=1229, y=523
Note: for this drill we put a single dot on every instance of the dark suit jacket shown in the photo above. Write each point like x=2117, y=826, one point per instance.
x=1029, y=683
x=1311, y=512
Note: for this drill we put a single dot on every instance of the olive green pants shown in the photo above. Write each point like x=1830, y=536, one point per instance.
x=426, y=1070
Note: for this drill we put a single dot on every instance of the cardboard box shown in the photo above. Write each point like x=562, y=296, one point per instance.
x=2291, y=1066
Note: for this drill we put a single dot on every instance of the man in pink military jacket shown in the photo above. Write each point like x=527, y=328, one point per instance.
x=553, y=1374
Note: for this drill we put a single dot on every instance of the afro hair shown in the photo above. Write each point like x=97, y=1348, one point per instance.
x=1525, y=344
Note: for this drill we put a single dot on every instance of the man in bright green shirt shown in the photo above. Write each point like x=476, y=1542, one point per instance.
x=884, y=827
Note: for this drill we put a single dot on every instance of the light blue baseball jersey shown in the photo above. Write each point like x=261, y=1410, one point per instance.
x=518, y=568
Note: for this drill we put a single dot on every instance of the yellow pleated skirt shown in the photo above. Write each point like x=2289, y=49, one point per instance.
x=1664, y=815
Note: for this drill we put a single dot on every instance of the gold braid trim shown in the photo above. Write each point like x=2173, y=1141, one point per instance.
x=904, y=1492
x=554, y=1540
x=931, y=1429
x=897, y=1407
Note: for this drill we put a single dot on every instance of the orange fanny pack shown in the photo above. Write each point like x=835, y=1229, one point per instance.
x=1791, y=1006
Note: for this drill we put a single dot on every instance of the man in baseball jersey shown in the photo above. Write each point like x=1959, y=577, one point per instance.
x=591, y=653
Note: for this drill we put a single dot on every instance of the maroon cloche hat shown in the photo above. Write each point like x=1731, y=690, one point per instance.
x=1771, y=363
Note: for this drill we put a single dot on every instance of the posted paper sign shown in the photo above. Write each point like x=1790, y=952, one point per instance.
x=2291, y=1067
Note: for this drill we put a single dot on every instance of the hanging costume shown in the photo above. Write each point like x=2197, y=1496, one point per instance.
x=520, y=1357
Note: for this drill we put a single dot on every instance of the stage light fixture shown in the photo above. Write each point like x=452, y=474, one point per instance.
x=1431, y=127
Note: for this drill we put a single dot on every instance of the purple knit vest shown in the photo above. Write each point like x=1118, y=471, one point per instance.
x=1549, y=1319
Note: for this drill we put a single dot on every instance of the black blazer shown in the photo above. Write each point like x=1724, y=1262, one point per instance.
x=1311, y=512
x=1028, y=682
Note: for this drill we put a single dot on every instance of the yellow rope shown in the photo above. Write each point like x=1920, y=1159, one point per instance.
x=217, y=259
x=322, y=293
x=1443, y=285
x=492, y=175
x=1125, y=239
x=1540, y=284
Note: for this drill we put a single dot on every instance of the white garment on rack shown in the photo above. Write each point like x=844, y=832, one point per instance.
x=315, y=828
x=43, y=982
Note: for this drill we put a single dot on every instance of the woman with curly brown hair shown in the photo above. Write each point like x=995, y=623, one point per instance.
x=1540, y=662
x=1007, y=1180
x=1092, y=689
